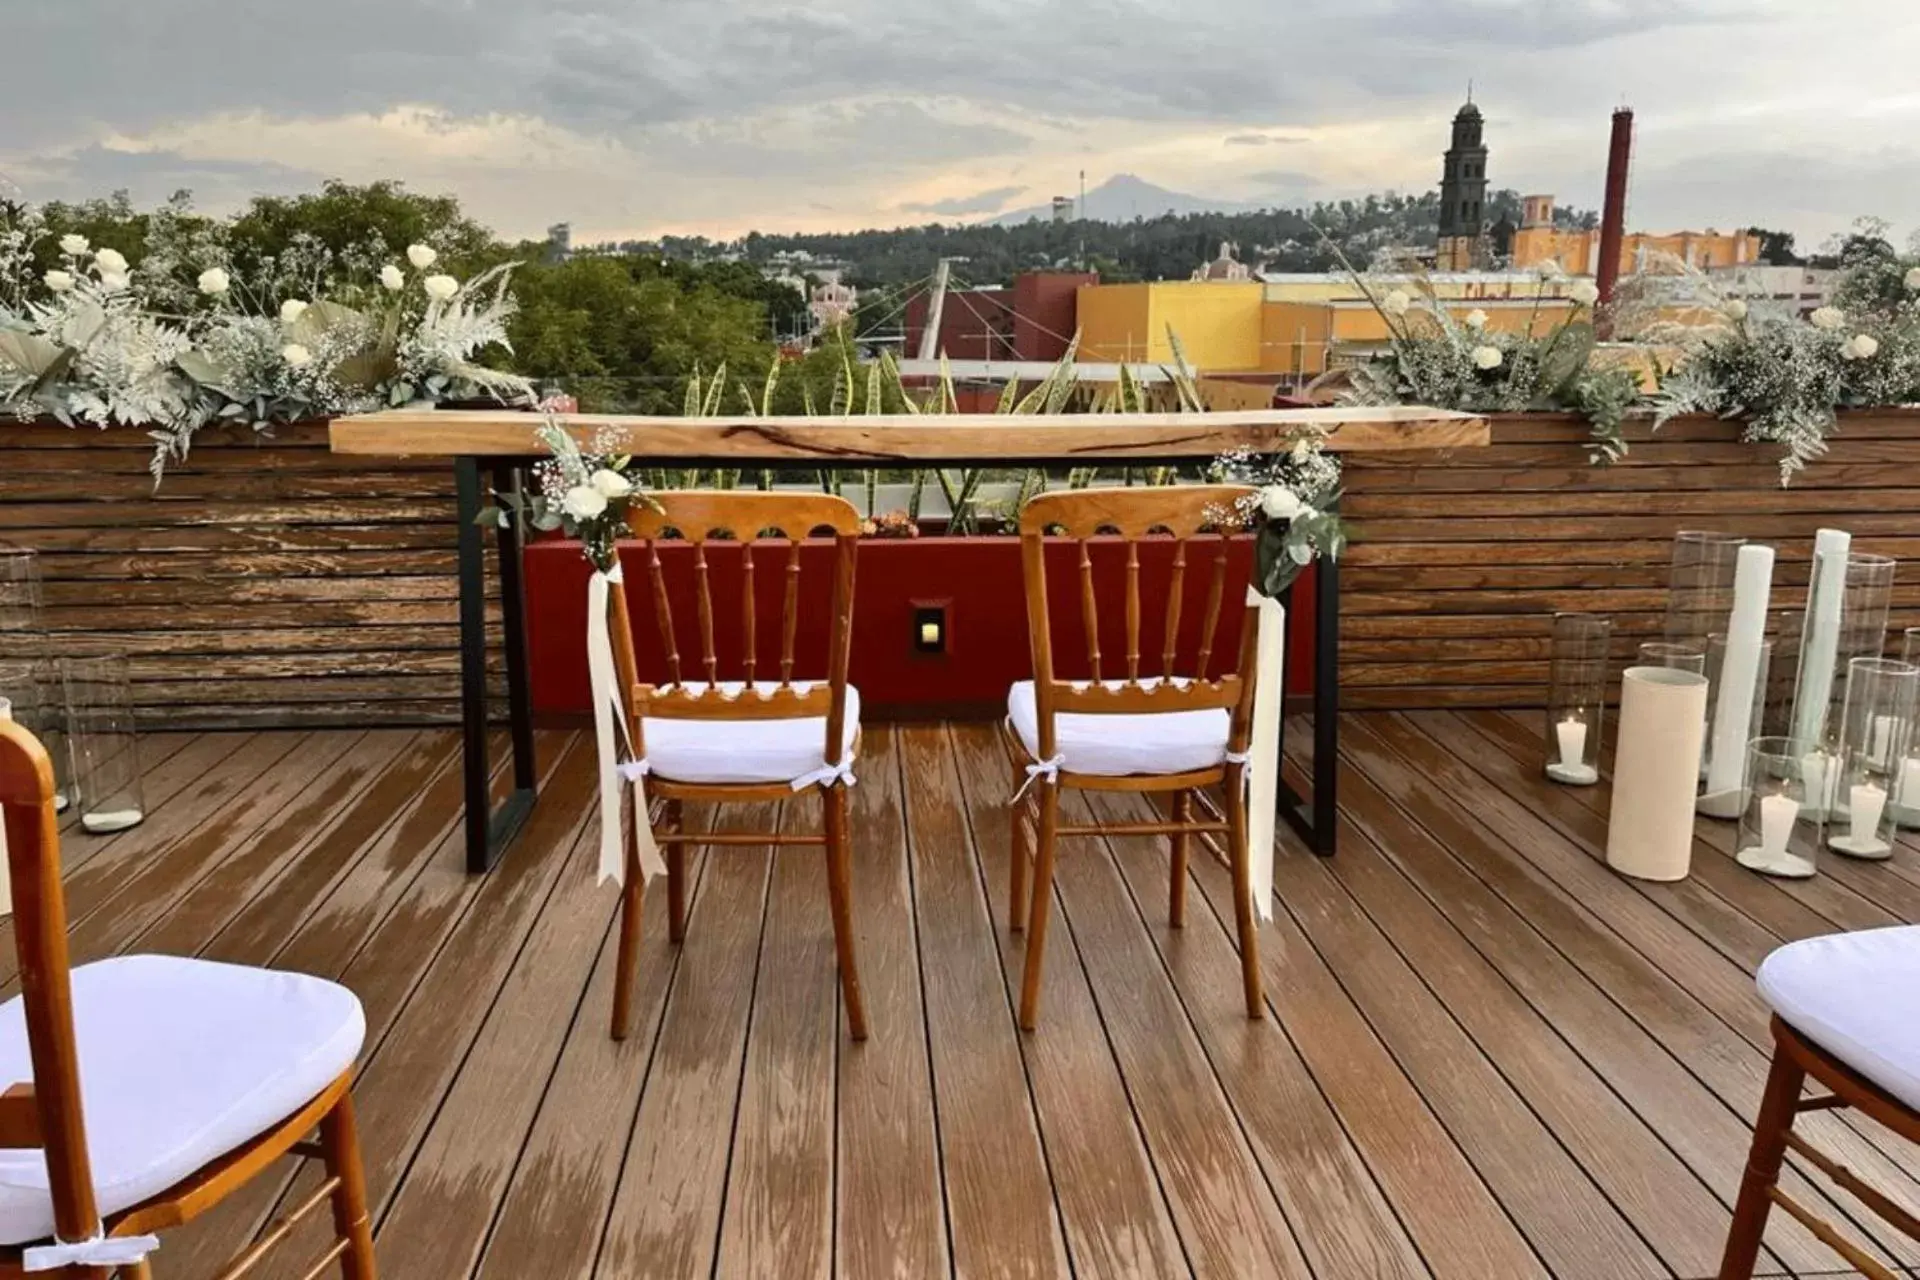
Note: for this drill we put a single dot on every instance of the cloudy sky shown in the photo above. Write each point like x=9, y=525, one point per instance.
x=634, y=117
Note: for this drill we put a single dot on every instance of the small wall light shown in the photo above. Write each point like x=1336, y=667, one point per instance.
x=930, y=628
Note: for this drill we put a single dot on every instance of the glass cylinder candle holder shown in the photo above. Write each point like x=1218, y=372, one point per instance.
x=1780, y=832
x=1865, y=607
x=1674, y=655
x=1910, y=646
x=1576, y=697
x=1700, y=585
x=1724, y=758
x=1818, y=653
x=1876, y=730
x=104, y=741
x=19, y=596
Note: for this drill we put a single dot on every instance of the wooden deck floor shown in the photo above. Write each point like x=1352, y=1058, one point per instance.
x=1489, y=1058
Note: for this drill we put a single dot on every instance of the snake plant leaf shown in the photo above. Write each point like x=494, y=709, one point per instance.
x=690, y=406
x=715, y=388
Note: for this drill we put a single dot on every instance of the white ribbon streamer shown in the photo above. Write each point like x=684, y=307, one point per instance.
x=101, y=1251
x=1048, y=769
x=1263, y=769
x=610, y=732
x=826, y=775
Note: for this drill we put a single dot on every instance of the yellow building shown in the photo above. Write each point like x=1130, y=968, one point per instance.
x=1304, y=339
x=1218, y=323
x=1538, y=242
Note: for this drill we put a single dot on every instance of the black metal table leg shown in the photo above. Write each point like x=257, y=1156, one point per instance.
x=1316, y=819
x=487, y=832
x=513, y=621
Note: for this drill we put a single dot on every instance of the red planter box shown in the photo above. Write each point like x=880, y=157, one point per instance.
x=977, y=581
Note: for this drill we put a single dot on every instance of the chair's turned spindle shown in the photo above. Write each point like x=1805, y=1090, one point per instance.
x=746, y=596
x=663, y=610
x=1133, y=609
x=1216, y=592
x=709, y=657
x=1089, y=614
x=1176, y=592
x=790, y=612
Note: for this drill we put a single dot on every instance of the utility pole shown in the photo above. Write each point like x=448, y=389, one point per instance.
x=930, y=335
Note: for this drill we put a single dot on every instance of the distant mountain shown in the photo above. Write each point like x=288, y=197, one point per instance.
x=1124, y=197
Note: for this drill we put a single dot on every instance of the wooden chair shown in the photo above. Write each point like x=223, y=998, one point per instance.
x=1847, y=1014
x=1180, y=730
x=149, y=1088
x=742, y=737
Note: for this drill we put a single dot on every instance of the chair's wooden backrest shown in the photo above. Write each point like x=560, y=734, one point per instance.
x=759, y=527
x=49, y=1114
x=1196, y=518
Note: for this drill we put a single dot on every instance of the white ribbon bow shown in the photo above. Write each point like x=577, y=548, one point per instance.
x=1263, y=758
x=100, y=1251
x=826, y=775
x=610, y=731
x=1048, y=769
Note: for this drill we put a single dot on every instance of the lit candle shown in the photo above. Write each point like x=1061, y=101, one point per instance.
x=1777, y=814
x=1572, y=733
x=1867, y=803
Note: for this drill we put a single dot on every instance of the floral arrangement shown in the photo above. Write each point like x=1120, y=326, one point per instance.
x=890, y=524
x=584, y=494
x=100, y=340
x=1436, y=359
x=1292, y=511
x=1787, y=378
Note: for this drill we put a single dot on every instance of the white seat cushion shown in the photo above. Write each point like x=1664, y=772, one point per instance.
x=181, y=1061
x=1856, y=995
x=743, y=750
x=1115, y=744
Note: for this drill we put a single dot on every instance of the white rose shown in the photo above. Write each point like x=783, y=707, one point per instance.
x=214, y=282
x=1861, y=346
x=1476, y=319
x=440, y=288
x=1487, y=358
x=1280, y=503
x=73, y=245
x=1736, y=309
x=391, y=277
x=1912, y=278
x=1302, y=450
x=58, y=281
x=421, y=256
x=584, y=502
x=610, y=483
x=109, y=262
x=113, y=281
x=292, y=309
x=1396, y=303
x=1584, y=293
x=1827, y=318
x=296, y=355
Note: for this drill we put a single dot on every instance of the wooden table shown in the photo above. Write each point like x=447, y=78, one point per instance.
x=501, y=443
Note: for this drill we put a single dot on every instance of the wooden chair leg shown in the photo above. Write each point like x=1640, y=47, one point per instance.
x=1770, y=1129
x=839, y=853
x=141, y=1270
x=1041, y=895
x=1177, y=875
x=1248, y=923
x=1021, y=855
x=340, y=1141
x=632, y=909
x=676, y=855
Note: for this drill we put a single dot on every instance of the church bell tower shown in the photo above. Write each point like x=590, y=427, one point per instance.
x=1463, y=194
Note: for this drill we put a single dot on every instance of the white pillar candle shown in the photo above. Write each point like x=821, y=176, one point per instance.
x=1880, y=740
x=1739, y=669
x=1820, y=645
x=1908, y=792
x=1572, y=733
x=1867, y=801
x=1813, y=773
x=1777, y=814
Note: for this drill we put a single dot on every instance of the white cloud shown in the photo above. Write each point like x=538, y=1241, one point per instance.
x=719, y=115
